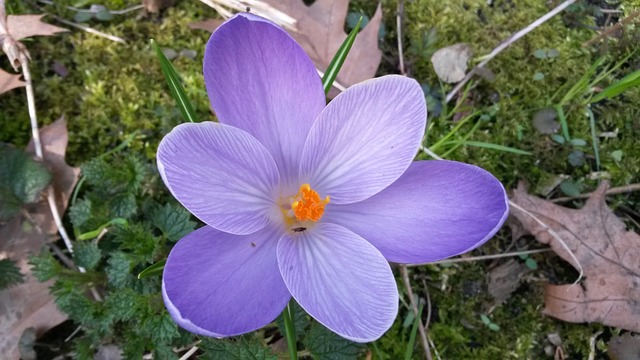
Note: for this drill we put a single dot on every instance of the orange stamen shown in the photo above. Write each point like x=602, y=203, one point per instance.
x=307, y=205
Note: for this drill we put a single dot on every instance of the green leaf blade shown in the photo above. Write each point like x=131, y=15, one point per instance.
x=338, y=60
x=175, y=86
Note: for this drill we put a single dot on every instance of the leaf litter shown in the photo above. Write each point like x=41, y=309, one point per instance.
x=29, y=305
x=607, y=252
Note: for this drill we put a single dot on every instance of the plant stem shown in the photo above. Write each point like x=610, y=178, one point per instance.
x=290, y=331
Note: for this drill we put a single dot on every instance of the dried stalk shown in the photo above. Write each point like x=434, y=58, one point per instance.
x=414, y=306
x=506, y=43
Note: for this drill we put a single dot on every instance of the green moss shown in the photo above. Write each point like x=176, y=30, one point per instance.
x=112, y=89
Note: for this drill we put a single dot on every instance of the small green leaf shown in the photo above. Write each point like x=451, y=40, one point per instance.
x=21, y=180
x=617, y=155
x=494, y=327
x=538, y=76
x=570, y=188
x=338, y=60
x=44, y=266
x=578, y=142
x=175, y=85
x=326, y=345
x=173, y=221
x=118, y=269
x=531, y=264
x=104, y=15
x=9, y=274
x=553, y=53
x=485, y=319
x=121, y=304
x=153, y=270
x=540, y=54
x=83, y=16
x=576, y=158
x=87, y=254
x=558, y=138
x=245, y=347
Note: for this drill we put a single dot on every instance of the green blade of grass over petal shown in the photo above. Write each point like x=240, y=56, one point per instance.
x=175, y=86
x=153, y=270
x=338, y=60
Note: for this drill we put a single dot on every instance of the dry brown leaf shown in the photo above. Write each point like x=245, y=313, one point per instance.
x=607, y=252
x=24, y=26
x=320, y=31
x=9, y=81
x=29, y=304
x=450, y=63
x=504, y=280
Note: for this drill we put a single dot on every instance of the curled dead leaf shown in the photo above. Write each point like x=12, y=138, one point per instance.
x=9, y=81
x=606, y=251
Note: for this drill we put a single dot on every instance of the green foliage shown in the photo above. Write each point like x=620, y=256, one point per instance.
x=87, y=255
x=9, y=274
x=21, y=180
x=44, y=266
x=173, y=221
x=326, y=345
x=245, y=347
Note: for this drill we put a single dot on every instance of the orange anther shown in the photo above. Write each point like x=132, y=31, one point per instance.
x=307, y=205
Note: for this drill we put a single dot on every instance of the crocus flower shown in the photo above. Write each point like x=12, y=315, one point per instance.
x=307, y=200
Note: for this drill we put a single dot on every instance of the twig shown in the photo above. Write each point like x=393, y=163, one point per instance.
x=64, y=258
x=114, y=12
x=611, y=191
x=399, y=17
x=611, y=29
x=90, y=30
x=484, y=257
x=414, y=307
x=189, y=353
x=506, y=43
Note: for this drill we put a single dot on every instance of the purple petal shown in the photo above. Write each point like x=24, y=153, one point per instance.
x=260, y=80
x=437, y=209
x=340, y=280
x=217, y=284
x=221, y=174
x=364, y=139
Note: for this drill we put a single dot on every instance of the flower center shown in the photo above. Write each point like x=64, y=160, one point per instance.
x=307, y=205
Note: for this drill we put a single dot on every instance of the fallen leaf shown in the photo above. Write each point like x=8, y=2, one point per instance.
x=206, y=25
x=9, y=81
x=450, y=63
x=625, y=347
x=607, y=252
x=545, y=121
x=319, y=30
x=155, y=6
x=29, y=305
x=24, y=26
x=504, y=280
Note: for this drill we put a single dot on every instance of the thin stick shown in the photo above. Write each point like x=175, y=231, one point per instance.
x=399, y=17
x=189, y=353
x=90, y=30
x=611, y=29
x=611, y=191
x=414, y=307
x=114, y=12
x=506, y=43
x=484, y=257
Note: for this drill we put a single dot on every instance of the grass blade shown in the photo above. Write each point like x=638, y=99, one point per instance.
x=175, y=86
x=153, y=270
x=492, y=147
x=412, y=338
x=337, y=61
